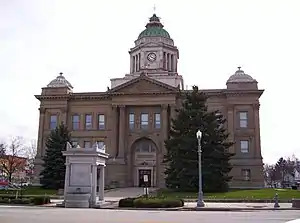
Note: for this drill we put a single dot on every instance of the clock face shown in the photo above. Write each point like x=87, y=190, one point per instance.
x=151, y=57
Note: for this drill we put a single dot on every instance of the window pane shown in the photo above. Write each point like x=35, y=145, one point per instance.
x=101, y=118
x=144, y=118
x=246, y=174
x=243, y=123
x=131, y=117
x=157, y=120
x=87, y=144
x=53, y=121
x=88, y=122
x=244, y=146
x=144, y=121
x=75, y=122
x=101, y=122
x=243, y=115
x=131, y=121
x=53, y=118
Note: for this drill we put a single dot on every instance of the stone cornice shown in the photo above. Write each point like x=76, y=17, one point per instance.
x=108, y=95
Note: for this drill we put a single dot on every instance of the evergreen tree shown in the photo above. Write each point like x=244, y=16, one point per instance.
x=182, y=147
x=53, y=174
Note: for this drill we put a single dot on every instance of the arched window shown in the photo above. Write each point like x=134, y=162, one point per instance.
x=144, y=146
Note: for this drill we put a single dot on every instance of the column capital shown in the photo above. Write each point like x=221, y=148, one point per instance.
x=63, y=109
x=256, y=105
x=42, y=110
x=164, y=106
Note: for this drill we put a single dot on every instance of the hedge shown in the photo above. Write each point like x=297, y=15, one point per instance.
x=37, y=200
x=151, y=202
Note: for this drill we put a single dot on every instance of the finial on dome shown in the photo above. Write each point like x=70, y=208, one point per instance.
x=154, y=9
x=61, y=73
x=239, y=68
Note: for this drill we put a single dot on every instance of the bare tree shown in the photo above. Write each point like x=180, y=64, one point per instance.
x=14, y=158
x=31, y=153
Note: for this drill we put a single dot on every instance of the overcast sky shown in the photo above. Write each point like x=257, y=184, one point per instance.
x=89, y=41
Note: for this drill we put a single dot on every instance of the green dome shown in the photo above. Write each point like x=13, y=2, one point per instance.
x=154, y=28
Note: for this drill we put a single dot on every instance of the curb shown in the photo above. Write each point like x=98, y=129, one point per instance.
x=199, y=209
x=238, y=201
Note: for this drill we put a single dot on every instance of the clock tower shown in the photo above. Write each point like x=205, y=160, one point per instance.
x=154, y=51
x=154, y=55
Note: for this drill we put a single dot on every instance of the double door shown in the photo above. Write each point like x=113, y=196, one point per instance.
x=144, y=178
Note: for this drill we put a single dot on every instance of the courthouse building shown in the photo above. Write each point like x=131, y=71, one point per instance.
x=132, y=117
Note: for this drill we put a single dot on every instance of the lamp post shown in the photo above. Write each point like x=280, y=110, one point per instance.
x=200, y=202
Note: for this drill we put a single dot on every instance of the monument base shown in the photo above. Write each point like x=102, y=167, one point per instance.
x=77, y=200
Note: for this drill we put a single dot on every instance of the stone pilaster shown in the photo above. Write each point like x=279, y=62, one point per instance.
x=41, y=131
x=101, y=183
x=63, y=117
x=67, y=179
x=115, y=131
x=165, y=121
x=230, y=125
x=122, y=122
x=257, y=151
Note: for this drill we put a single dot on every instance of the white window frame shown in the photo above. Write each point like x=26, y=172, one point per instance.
x=244, y=144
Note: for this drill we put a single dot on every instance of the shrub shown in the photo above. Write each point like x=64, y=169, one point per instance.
x=20, y=201
x=126, y=202
x=158, y=203
x=15, y=201
x=40, y=200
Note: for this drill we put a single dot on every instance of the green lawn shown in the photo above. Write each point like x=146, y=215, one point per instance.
x=268, y=193
x=31, y=191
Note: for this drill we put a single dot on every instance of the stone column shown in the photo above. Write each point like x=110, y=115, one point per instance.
x=257, y=150
x=165, y=121
x=101, y=183
x=94, y=184
x=170, y=62
x=114, y=132
x=131, y=64
x=82, y=122
x=230, y=125
x=40, y=132
x=67, y=180
x=64, y=115
x=121, y=131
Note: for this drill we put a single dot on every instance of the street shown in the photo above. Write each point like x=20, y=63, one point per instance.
x=57, y=215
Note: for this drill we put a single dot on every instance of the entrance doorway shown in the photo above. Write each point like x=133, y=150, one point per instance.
x=144, y=173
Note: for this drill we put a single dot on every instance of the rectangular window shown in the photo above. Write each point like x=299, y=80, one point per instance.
x=88, y=122
x=144, y=121
x=244, y=146
x=131, y=121
x=75, y=122
x=243, y=119
x=157, y=120
x=87, y=144
x=100, y=144
x=101, y=122
x=246, y=174
x=53, y=121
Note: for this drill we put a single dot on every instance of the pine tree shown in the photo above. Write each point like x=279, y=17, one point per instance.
x=182, y=147
x=53, y=174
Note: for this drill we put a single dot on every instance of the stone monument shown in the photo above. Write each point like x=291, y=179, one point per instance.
x=82, y=165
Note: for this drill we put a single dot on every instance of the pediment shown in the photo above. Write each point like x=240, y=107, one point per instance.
x=143, y=84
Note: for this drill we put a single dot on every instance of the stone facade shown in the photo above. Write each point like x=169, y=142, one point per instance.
x=132, y=118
